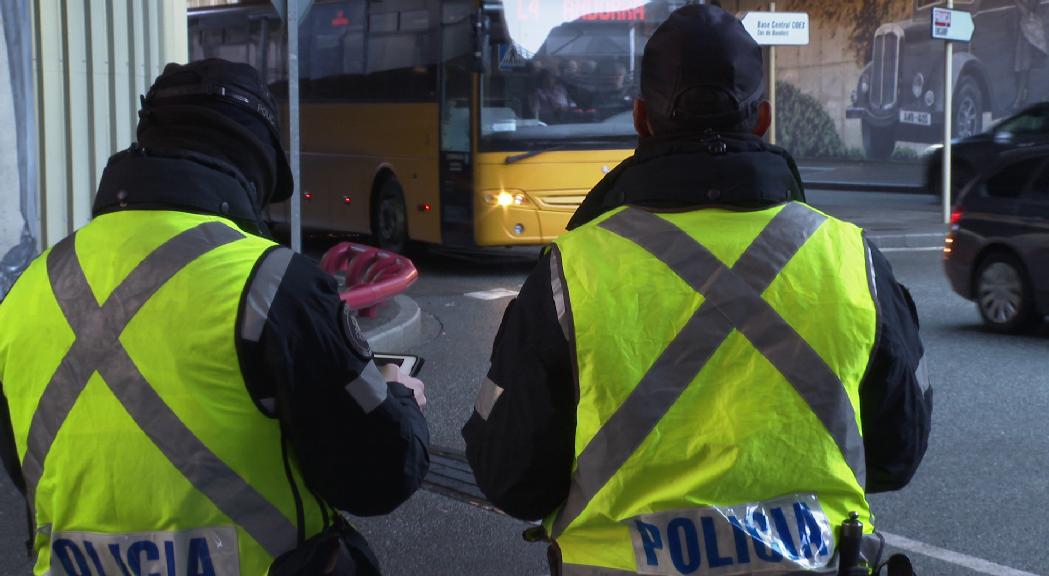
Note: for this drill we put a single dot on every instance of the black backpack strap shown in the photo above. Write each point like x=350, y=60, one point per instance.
x=364, y=560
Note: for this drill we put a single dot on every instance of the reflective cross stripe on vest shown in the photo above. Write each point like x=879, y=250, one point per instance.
x=97, y=347
x=732, y=300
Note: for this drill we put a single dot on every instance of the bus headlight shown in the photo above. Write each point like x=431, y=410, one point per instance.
x=930, y=98
x=504, y=198
x=865, y=85
x=918, y=85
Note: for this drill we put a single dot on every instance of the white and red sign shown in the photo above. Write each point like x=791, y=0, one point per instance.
x=954, y=25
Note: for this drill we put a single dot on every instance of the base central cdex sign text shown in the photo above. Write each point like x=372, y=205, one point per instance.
x=778, y=28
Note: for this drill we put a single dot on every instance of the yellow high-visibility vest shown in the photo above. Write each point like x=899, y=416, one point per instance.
x=142, y=450
x=719, y=355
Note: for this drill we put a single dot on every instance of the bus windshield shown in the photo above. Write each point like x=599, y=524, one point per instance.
x=564, y=73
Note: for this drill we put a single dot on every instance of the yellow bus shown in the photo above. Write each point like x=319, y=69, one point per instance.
x=452, y=122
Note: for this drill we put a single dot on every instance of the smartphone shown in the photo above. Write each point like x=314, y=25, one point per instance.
x=408, y=363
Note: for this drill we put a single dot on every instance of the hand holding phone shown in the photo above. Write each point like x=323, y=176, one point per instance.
x=408, y=363
x=394, y=372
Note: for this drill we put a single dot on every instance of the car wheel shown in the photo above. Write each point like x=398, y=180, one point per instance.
x=389, y=217
x=968, y=108
x=1003, y=294
x=878, y=142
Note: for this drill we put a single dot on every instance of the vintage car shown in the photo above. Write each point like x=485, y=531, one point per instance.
x=900, y=96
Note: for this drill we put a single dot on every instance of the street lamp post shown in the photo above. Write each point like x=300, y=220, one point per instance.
x=292, y=12
x=293, y=122
x=948, y=102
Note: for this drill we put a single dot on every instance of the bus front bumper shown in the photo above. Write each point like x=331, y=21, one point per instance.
x=527, y=219
x=530, y=201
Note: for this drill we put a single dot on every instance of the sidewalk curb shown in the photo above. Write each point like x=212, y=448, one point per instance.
x=923, y=240
x=807, y=162
x=861, y=187
x=400, y=333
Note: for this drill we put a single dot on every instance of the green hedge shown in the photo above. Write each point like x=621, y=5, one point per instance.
x=803, y=127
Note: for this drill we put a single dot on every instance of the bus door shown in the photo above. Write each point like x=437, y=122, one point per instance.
x=458, y=89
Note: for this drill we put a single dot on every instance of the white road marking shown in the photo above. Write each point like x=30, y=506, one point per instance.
x=975, y=564
x=913, y=249
x=492, y=294
x=951, y=557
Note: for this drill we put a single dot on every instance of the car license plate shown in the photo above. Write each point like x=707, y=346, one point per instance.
x=919, y=118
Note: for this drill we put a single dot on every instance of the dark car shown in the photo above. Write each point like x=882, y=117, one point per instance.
x=969, y=155
x=997, y=251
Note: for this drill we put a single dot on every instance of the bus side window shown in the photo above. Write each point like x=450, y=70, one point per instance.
x=210, y=42
x=334, y=34
x=273, y=55
x=238, y=38
x=457, y=42
x=402, y=61
x=196, y=39
x=235, y=43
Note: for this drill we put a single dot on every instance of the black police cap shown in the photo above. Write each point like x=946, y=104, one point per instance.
x=217, y=81
x=702, y=68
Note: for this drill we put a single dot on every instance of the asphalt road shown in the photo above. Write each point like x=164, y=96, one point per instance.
x=976, y=506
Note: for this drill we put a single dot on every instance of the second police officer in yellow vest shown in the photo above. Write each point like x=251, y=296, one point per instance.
x=182, y=395
x=705, y=376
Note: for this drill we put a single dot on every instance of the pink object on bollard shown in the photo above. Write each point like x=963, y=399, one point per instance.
x=371, y=276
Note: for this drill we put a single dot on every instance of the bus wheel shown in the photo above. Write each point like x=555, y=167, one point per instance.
x=389, y=217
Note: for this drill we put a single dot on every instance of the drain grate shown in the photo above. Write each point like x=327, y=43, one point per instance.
x=450, y=475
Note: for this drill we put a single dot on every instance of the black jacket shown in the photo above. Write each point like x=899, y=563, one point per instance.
x=522, y=454
x=309, y=350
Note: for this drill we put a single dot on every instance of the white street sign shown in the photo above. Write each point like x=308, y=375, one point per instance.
x=778, y=28
x=954, y=25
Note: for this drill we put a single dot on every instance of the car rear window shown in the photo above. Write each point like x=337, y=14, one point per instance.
x=1010, y=181
x=1039, y=189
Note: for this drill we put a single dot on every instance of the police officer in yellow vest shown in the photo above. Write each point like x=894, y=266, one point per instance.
x=705, y=375
x=183, y=396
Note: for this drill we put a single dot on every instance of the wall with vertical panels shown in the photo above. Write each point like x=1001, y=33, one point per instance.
x=92, y=59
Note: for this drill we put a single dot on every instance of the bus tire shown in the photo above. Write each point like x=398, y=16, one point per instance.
x=390, y=217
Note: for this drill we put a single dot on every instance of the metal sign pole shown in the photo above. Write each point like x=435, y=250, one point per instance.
x=772, y=85
x=293, y=121
x=774, y=29
x=948, y=114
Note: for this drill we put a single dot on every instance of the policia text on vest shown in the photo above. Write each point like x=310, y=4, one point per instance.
x=202, y=552
x=790, y=534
